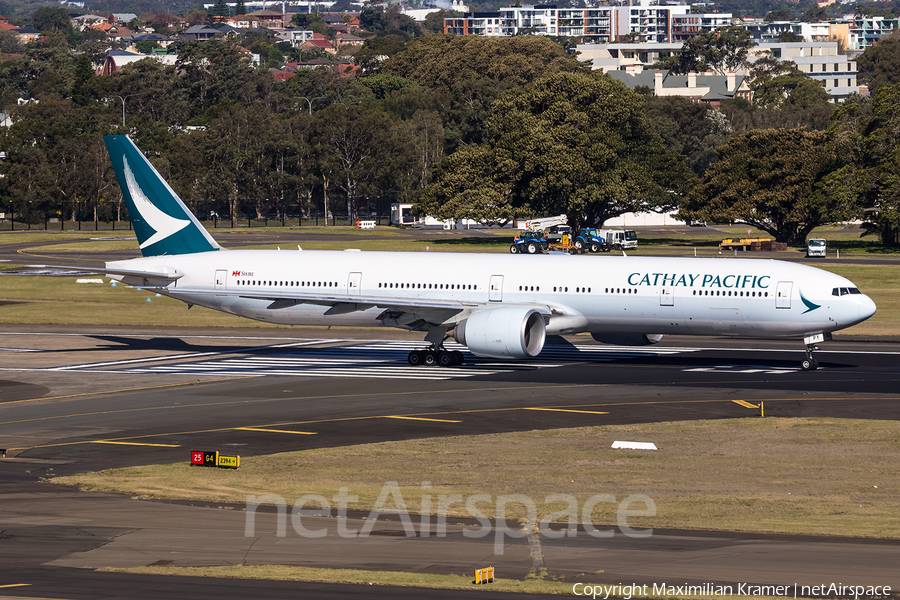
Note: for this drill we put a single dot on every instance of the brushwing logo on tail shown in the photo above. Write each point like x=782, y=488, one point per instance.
x=164, y=225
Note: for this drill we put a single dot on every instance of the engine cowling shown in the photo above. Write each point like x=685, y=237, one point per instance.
x=628, y=339
x=514, y=332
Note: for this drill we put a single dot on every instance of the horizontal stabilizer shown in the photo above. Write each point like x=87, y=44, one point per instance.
x=105, y=271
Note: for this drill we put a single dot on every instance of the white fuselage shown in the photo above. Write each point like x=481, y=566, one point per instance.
x=597, y=294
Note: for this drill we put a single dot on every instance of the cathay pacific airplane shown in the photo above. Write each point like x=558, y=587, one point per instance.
x=499, y=306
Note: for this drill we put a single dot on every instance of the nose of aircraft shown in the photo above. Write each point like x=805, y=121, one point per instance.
x=866, y=308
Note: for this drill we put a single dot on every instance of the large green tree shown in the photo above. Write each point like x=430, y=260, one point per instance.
x=772, y=179
x=867, y=136
x=445, y=60
x=879, y=65
x=580, y=144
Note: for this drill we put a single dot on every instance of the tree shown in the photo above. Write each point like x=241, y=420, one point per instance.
x=219, y=11
x=353, y=138
x=240, y=8
x=722, y=50
x=772, y=179
x=865, y=135
x=9, y=42
x=580, y=144
x=434, y=21
x=49, y=18
x=84, y=72
x=313, y=22
x=790, y=36
x=879, y=65
x=375, y=50
x=690, y=129
x=389, y=22
x=464, y=186
x=445, y=60
x=781, y=14
x=776, y=84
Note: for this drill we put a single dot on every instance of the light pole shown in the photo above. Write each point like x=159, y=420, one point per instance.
x=123, y=99
x=309, y=102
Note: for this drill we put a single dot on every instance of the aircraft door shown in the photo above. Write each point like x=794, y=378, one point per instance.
x=496, y=290
x=221, y=274
x=353, y=284
x=783, y=294
x=666, y=294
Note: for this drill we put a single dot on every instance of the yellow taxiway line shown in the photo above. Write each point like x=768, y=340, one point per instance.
x=275, y=430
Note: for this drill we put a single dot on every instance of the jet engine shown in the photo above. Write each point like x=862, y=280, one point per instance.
x=514, y=332
x=628, y=339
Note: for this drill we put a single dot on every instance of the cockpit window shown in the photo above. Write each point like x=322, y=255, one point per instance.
x=845, y=291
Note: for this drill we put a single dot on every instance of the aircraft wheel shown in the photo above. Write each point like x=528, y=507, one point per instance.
x=595, y=247
x=809, y=364
x=445, y=359
x=532, y=248
x=457, y=357
x=430, y=358
x=415, y=358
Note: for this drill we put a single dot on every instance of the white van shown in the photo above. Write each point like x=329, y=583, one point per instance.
x=815, y=247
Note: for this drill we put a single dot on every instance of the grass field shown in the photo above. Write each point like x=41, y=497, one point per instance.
x=798, y=475
x=355, y=576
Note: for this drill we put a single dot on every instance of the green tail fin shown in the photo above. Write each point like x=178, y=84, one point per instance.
x=162, y=222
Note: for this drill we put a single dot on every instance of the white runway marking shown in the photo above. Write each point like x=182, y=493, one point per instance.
x=382, y=360
x=745, y=369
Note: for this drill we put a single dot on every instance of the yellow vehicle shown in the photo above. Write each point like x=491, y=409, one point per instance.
x=741, y=242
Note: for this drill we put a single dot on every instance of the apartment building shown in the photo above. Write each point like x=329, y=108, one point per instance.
x=820, y=60
x=646, y=22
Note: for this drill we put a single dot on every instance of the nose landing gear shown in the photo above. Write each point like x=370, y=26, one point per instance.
x=809, y=363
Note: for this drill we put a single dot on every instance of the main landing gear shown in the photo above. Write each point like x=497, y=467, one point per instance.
x=435, y=356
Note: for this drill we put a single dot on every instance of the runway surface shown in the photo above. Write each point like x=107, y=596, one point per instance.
x=75, y=399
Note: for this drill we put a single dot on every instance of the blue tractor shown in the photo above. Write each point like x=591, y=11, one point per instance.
x=530, y=242
x=589, y=239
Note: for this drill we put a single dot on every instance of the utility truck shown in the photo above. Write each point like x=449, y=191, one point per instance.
x=619, y=239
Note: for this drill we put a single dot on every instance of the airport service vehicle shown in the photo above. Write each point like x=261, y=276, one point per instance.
x=590, y=239
x=529, y=242
x=815, y=247
x=619, y=239
x=486, y=302
x=538, y=235
x=744, y=243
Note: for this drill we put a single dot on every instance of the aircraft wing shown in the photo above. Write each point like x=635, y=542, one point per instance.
x=403, y=311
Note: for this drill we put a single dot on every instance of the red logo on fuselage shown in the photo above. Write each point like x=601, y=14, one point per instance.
x=235, y=273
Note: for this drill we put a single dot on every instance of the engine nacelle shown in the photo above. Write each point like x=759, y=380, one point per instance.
x=628, y=339
x=514, y=332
